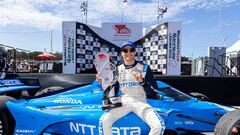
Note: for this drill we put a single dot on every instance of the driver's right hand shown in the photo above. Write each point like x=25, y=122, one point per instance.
x=98, y=78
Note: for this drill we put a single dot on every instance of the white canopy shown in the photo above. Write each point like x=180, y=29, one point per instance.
x=234, y=48
x=232, y=52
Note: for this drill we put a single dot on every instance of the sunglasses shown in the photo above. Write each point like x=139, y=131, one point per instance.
x=128, y=50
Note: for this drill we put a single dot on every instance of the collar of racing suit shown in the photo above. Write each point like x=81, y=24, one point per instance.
x=130, y=66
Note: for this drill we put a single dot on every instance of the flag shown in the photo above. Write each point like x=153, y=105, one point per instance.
x=125, y=3
x=161, y=11
x=84, y=6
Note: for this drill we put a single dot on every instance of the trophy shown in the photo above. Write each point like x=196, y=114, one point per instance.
x=107, y=71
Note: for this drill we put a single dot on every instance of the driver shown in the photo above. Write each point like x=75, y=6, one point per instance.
x=136, y=83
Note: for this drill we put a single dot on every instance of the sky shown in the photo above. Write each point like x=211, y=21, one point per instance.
x=28, y=24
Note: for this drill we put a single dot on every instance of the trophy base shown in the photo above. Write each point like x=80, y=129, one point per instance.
x=111, y=106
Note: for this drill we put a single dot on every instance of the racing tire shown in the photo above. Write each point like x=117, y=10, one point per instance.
x=229, y=124
x=4, y=129
x=6, y=121
x=48, y=90
x=200, y=96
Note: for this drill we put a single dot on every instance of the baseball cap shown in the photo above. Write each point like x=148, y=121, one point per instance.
x=128, y=43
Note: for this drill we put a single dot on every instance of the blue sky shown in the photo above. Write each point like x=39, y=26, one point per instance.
x=27, y=23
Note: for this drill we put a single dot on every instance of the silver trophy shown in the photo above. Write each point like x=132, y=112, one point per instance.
x=107, y=71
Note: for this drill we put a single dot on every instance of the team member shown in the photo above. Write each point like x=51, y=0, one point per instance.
x=136, y=83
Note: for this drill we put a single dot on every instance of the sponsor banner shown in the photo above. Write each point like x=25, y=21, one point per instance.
x=174, y=49
x=69, y=43
x=117, y=33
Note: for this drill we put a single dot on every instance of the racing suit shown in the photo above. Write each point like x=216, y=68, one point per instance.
x=133, y=98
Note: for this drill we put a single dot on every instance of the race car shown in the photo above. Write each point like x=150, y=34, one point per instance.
x=15, y=86
x=78, y=110
x=229, y=124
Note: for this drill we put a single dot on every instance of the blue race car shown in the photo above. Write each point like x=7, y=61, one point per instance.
x=77, y=111
x=14, y=87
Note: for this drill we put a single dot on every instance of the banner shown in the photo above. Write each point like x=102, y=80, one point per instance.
x=174, y=49
x=69, y=43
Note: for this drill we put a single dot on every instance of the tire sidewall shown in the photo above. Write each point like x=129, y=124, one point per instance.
x=227, y=122
x=4, y=122
x=4, y=115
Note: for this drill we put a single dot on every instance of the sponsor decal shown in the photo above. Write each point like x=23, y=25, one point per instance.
x=81, y=128
x=188, y=122
x=25, y=131
x=10, y=82
x=90, y=107
x=122, y=32
x=67, y=101
x=122, y=29
x=129, y=84
x=184, y=123
x=126, y=130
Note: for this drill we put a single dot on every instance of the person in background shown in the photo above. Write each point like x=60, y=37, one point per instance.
x=2, y=68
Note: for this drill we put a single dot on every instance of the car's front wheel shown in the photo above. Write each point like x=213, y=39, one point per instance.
x=229, y=124
x=6, y=123
x=4, y=129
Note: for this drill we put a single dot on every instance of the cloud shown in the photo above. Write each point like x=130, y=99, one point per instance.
x=24, y=13
x=49, y=14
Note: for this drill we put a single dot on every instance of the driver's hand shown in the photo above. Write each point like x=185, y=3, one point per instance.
x=98, y=78
x=138, y=76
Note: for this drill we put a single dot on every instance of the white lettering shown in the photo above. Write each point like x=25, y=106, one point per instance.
x=135, y=131
x=89, y=129
x=115, y=131
x=84, y=128
x=126, y=130
x=27, y=131
x=74, y=127
x=69, y=101
x=188, y=122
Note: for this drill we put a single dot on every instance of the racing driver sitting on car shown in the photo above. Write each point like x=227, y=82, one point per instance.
x=136, y=84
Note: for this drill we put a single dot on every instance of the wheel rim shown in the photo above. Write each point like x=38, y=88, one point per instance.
x=236, y=129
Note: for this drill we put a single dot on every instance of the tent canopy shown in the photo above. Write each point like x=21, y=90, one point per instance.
x=234, y=48
x=45, y=55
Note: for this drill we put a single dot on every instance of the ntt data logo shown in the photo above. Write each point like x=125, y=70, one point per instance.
x=87, y=129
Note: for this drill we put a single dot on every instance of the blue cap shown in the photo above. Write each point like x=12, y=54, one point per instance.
x=129, y=43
